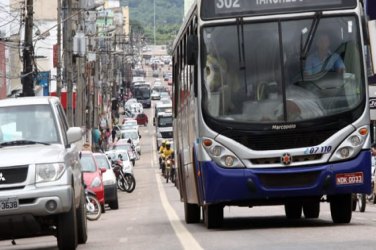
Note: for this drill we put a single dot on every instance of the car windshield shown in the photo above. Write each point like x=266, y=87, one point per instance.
x=129, y=134
x=142, y=92
x=102, y=161
x=87, y=163
x=165, y=121
x=130, y=123
x=293, y=71
x=32, y=123
x=121, y=147
x=116, y=155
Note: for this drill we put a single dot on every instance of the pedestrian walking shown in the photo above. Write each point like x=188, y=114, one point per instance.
x=113, y=133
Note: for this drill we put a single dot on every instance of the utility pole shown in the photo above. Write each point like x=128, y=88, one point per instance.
x=58, y=69
x=68, y=67
x=27, y=77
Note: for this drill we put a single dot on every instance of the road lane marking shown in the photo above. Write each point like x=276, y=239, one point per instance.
x=185, y=237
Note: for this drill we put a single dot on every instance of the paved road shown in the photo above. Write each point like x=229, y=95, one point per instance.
x=152, y=217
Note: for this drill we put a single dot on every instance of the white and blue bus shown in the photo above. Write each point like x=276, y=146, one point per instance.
x=270, y=103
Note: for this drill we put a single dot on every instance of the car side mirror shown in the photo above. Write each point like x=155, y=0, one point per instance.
x=103, y=170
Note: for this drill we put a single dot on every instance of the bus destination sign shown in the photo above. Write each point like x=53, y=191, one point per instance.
x=234, y=8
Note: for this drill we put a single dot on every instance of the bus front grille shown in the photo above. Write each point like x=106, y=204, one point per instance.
x=277, y=160
x=281, y=140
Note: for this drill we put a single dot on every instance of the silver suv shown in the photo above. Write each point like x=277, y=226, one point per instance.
x=41, y=191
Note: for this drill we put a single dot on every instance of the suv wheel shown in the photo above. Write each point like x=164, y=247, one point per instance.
x=81, y=221
x=67, y=229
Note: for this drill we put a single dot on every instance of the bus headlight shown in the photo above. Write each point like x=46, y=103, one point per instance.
x=229, y=160
x=216, y=150
x=355, y=140
x=221, y=155
x=344, y=152
x=351, y=146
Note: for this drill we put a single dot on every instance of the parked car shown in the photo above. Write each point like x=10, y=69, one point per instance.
x=130, y=124
x=134, y=136
x=122, y=144
x=41, y=190
x=142, y=119
x=115, y=155
x=92, y=176
x=109, y=180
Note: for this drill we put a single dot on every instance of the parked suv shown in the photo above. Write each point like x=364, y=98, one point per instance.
x=41, y=191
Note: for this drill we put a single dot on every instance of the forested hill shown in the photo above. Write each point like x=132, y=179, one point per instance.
x=168, y=18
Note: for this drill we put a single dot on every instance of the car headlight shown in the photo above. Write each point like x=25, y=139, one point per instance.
x=352, y=145
x=96, y=182
x=221, y=155
x=48, y=172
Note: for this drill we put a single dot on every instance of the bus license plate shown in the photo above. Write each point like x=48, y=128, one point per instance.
x=349, y=178
x=8, y=204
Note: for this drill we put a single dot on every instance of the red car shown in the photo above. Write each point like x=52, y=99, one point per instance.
x=92, y=175
x=142, y=119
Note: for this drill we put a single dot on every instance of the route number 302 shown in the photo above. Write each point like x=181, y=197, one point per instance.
x=227, y=4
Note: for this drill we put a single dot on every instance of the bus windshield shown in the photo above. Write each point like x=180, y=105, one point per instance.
x=142, y=93
x=282, y=71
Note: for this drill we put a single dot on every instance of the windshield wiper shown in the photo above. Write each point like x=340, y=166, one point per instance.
x=308, y=43
x=241, y=51
x=22, y=142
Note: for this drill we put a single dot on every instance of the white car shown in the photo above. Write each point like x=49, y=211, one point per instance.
x=134, y=136
x=109, y=180
x=155, y=95
x=130, y=124
x=122, y=155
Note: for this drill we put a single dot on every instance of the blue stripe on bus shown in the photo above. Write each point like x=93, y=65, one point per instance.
x=228, y=185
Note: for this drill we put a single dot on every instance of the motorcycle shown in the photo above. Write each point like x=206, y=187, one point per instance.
x=93, y=207
x=169, y=169
x=124, y=176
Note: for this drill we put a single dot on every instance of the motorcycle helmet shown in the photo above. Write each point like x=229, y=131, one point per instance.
x=168, y=145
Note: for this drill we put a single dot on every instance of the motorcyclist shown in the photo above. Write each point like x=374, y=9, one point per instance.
x=166, y=153
x=161, y=149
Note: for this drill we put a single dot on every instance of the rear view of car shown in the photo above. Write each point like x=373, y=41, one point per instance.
x=109, y=180
x=93, y=176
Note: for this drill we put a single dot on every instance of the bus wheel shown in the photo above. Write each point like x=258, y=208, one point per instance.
x=341, y=208
x=213, y=216
x=192, y=213
x=293, y=210
x=311, y=209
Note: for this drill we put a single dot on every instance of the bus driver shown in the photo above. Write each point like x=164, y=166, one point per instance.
x=322, y=59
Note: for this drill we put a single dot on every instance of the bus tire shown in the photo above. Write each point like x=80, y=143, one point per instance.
x=341, y=208
x=213, y=216
x=293, y=210
x=192, y=213
x=311, y=209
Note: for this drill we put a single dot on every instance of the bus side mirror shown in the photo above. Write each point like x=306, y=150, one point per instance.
x=192, y=49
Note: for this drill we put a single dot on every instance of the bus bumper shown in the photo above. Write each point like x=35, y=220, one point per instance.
x=232, y=186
